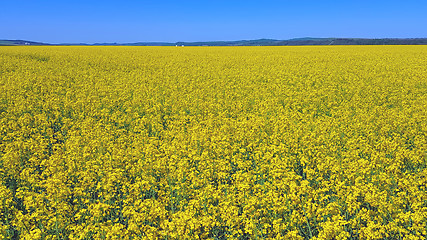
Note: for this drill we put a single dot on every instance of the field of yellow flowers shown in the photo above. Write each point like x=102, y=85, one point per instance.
x=316, y=143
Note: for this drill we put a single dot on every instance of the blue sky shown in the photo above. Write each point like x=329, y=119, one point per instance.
x=170, y=21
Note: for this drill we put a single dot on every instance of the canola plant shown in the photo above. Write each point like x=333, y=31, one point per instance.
x=325, y=142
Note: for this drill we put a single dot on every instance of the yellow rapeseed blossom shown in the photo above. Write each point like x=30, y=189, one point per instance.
x=326, y=142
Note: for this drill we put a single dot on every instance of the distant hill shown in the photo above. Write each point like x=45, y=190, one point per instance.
x=258, y=42
x=150, y=44
x=355, y=41
x=312, y=41
x=20, y=43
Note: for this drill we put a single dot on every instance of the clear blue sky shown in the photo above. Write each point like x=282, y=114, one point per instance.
x=170, y=21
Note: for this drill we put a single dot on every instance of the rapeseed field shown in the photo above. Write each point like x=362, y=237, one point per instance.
x=324, y=142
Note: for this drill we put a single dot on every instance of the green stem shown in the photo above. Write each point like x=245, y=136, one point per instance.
x=308, y=223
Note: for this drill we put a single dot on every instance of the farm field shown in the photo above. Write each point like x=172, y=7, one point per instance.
x=322, y=142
